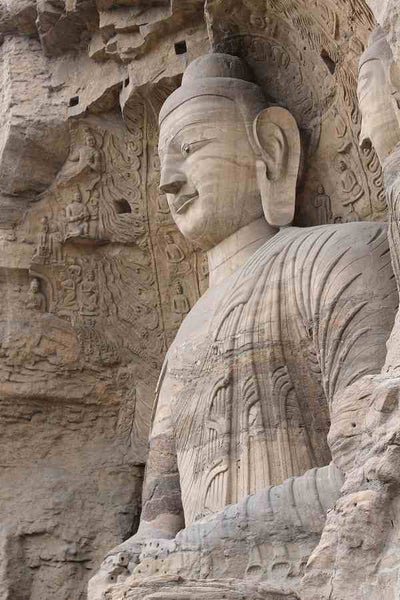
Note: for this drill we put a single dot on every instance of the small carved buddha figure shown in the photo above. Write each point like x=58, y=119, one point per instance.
x=77, y=216
x=94, y=210
x=43, y=247
x=350, y=186
x=173, y=252
x=322, y=204
x=180, y=304
x=291, y=318
x=36, y=300
x=93, y=155
x=89, y=295
x=85, y=163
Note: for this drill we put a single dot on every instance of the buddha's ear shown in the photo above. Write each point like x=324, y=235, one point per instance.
x=394, y=81
x=277, y=140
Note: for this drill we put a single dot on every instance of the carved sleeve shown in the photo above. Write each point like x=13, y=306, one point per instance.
x=161, y=491
x=354, y=299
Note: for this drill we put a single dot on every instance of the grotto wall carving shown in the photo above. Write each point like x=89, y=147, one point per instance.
x=90, y=260
x=96, y=278
x=369, y=499
x=282, y=304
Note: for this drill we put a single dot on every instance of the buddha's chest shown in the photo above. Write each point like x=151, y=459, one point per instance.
x=237, y=381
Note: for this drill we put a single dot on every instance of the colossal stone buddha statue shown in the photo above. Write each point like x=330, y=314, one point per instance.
x=291, y=318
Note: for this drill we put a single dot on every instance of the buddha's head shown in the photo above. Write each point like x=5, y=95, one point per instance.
x=380, y=126
x=89, y=139
x=77, y=197
x=227, y=157
x=35, y=286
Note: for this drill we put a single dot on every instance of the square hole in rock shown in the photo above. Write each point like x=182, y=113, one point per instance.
x=180, y=47
x=122, y=206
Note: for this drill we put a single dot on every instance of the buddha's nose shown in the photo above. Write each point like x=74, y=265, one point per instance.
x=172, y=179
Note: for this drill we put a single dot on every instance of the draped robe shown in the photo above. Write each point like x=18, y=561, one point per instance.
x=244, y=396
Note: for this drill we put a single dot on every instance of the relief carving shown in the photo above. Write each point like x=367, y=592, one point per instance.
x=36, y=300
x=365, y=420
x=102, y=262
x=243, y=407
x=180, y=303
x=77, y=217
x=85, y=163
x=322, y=204
x=313, y=52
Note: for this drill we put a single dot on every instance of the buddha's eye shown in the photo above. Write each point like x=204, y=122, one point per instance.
x=188, y=149
x=185, y=149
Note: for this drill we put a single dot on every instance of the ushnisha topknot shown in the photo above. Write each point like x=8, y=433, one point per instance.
x=220, y=75
x=378, y=48
x=217, y=65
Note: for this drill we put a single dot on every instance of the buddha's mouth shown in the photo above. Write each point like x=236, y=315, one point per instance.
x=181, y=203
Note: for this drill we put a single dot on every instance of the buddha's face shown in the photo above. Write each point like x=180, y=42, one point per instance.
x=379, y=123
x=90, y=141
x=208, y=170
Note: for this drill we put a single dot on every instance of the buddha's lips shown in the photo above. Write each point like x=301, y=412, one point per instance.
x=181, y=202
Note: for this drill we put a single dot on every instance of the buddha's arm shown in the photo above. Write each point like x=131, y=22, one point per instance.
x=162, y=512
x=357, y=301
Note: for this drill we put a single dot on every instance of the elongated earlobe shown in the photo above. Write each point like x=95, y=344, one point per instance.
x=394, y=81
x=277, y=140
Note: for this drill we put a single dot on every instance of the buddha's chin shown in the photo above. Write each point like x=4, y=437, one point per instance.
x=201, y=232
x=202, y=225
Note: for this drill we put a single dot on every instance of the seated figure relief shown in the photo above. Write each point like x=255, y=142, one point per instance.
x=78, y=216
x=292, y=317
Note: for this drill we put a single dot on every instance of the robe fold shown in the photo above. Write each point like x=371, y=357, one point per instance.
x=249, y=378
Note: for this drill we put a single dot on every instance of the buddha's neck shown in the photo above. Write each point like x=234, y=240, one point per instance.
x=234, y=251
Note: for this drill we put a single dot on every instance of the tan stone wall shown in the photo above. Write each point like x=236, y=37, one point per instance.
x=80, y=356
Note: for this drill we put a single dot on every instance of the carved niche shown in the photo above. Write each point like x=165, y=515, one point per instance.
x=305, y=55
x=108, y=264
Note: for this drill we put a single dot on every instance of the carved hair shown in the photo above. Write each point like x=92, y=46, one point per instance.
x=224, y=76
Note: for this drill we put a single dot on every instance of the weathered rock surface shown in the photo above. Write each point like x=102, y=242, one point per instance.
x=228, y=460
x=87, y=308
x=95, y=279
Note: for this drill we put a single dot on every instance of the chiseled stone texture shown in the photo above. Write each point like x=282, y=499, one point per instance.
x=67, y=492
x=361, y=535
x=95, y=279
x=238, y=480
x=387, y=14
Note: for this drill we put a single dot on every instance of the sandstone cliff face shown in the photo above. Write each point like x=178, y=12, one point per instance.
x=90, y=262
x=94, y=276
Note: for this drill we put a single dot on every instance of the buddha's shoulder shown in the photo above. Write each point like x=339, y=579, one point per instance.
x=318, y=247
x=357, y=234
